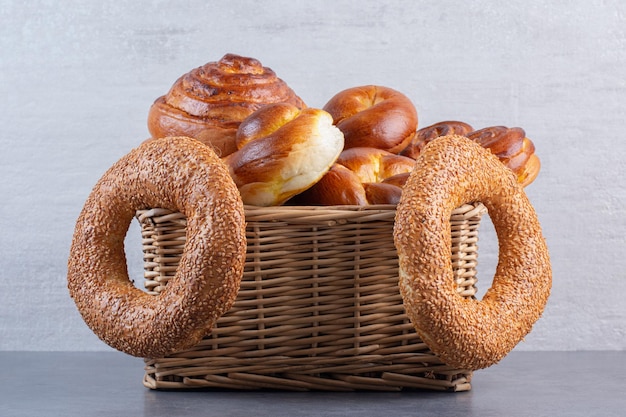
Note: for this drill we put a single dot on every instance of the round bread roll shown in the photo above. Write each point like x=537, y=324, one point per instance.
x=267, y=121
x=361, y=176
x=465, y=333
x=428, y=133
x=382, y=193
x=208, y=103
x=513, y=149
x=284, y=150
x=398, y=180
x=339, y=186
x=179, y=174
x=373, y=164
x=374, y=116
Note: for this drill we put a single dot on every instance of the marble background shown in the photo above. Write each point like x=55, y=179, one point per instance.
x=77, y=80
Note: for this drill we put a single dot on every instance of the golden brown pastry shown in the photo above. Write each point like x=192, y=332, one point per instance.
x=398, y=179
x=374, y=165
x=428, y=133
x=284, y=150
x=465, y=333
x=382, y=193
x=374, y=116
x=209, y=102
x=359, y=178
x=510, y=145
x=339, y=186
x=179, y=174
x=513, y=148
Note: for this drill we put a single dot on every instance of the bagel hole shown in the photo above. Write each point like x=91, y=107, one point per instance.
x=134, y=255
x=487, y=256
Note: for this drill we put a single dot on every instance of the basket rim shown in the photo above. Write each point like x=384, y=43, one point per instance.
x=466, y=210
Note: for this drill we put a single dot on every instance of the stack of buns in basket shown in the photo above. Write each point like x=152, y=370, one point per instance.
x=231, y=133
x=357, y=149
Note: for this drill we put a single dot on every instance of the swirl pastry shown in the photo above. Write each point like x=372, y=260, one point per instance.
x=428, y=133
x=209, y=102
x=513, y=149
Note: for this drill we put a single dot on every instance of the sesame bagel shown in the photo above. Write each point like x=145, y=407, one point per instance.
x=179, y=174
x=469, y=333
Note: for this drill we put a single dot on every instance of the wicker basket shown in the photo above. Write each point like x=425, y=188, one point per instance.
x=319, y=306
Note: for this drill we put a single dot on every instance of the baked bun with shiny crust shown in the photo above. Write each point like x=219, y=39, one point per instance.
x=382, y=193
x=428, y=133
x=510, y=145
x=374, y=116
x=208, y=103
x=513, y=149
x=398, y=180
x=284, y=151
x=265, y=122
x=339, y=186
x=374, y=165
x=359, y=178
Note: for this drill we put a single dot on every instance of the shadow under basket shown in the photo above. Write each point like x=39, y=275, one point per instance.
x=319, y=306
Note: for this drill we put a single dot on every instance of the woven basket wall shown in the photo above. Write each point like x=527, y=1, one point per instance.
x=319, y=307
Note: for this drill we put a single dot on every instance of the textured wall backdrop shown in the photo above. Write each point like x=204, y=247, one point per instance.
x=77, y=79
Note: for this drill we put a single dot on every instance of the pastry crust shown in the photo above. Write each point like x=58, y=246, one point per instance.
x=179, y=174
x=428, y=133
x=513, y=148
x=209, y=102
x=283, y=151
x=361, y=176
x=469, y=334
x=510, y=145
x=374, y=116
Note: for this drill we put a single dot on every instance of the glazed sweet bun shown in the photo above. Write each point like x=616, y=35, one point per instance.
x=510, y=145
x=209, y=102
x=382, y=193
x=529, y=171
x=513, y=148
x=428, y=133
x=398, y=180
x=284, y=151
x=339, y=186
x=266, y=122
x=361, y=176
x=374, y=165
x=374, y=116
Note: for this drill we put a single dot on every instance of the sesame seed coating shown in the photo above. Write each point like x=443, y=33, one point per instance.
x=467, y=333
x=179, y=174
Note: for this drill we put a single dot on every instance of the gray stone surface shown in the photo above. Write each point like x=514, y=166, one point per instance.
x=537, y=384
